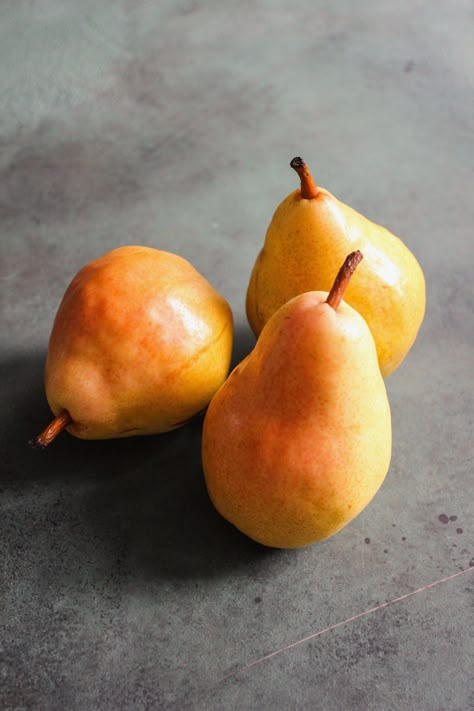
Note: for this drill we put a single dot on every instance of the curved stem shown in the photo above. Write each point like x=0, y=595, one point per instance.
x=343, y=278
x=309, y=189
x=52, y=430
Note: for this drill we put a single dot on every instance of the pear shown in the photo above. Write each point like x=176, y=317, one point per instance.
x=298, y=439
x=308, y=238
x=140, y=343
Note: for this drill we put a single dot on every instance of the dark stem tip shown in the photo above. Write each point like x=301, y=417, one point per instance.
x=297, y=163
x=36, y=443
x=353, y=259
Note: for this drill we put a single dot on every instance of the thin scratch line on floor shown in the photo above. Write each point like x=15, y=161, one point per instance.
x=345, y=622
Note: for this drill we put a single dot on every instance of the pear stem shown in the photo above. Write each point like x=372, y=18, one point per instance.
x=59, y=423
x=309, y=189
x=343, y=278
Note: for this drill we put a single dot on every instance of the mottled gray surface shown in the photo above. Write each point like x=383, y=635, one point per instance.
x=172, y=123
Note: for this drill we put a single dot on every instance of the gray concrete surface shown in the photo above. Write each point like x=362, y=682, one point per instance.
x=172, y=124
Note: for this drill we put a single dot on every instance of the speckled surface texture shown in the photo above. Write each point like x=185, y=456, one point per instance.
x=172, y=124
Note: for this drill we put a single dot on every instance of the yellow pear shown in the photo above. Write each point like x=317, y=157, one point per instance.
x=298, y=439
x=308, y=237
x=140, y=344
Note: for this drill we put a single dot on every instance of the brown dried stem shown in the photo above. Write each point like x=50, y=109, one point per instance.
x=343, y=278
x=309, y=189
x=52, y=430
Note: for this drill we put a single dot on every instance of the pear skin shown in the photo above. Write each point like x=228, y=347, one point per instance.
x=140, y=343
x=298, y=439
x=308, y=238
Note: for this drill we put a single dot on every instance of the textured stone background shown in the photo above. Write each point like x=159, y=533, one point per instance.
x=172, y=123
